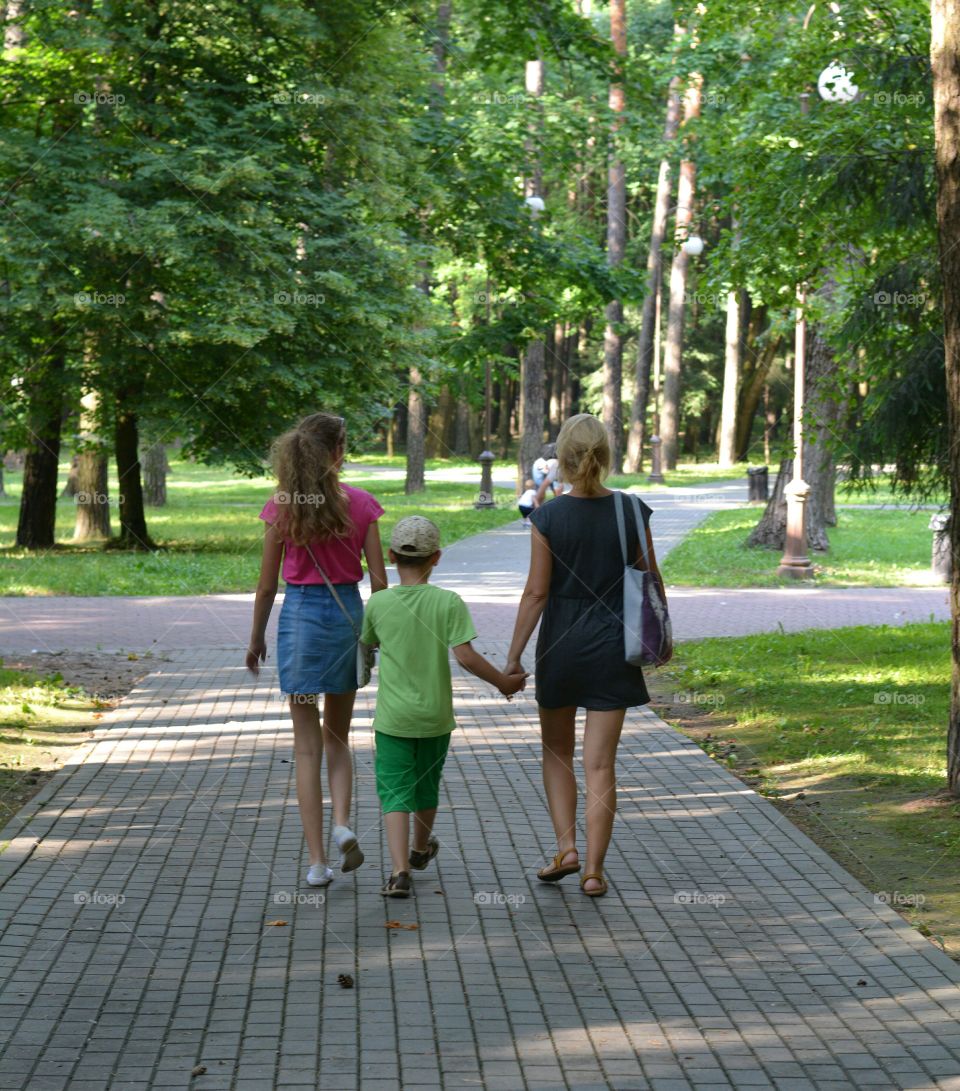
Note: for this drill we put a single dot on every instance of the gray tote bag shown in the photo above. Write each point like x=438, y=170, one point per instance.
x=647, y=632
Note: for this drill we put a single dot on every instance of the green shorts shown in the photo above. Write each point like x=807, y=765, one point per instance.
x=409, y=770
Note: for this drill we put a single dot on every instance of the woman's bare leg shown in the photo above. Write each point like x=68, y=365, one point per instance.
x=337, y=710
x=308, y=750
x=557, y=731
x=599, y=759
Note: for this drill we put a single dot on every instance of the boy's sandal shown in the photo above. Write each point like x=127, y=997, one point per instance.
x=397, y=886
x=419, y=858
x=601, y=889
x=560, y=869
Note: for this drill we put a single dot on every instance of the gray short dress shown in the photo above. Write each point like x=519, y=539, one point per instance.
x=580, y=659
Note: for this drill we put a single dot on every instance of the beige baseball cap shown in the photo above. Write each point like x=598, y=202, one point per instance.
x=415, y=536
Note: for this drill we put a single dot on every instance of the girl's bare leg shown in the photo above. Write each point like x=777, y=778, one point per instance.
x=337, y=710
x=308, y=750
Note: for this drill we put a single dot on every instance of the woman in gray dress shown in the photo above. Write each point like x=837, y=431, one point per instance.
x=576, y=583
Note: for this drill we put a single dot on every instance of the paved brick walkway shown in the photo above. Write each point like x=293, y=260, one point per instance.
x=140, y=893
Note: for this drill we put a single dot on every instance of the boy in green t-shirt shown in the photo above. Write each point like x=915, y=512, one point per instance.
x=415, y=624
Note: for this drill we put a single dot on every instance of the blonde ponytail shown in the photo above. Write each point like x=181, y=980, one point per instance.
x=583, y=450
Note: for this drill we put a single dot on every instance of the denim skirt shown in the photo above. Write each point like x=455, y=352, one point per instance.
x=316, y=645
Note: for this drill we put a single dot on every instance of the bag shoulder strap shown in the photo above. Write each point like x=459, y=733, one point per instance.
x=621, y=527
x=333, y=591
x=641, y=530
x=641, y=527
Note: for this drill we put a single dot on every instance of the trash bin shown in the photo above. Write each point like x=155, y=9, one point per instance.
x=941, y=559
x=758, y=483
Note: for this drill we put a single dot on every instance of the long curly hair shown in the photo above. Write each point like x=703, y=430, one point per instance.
x=583, y=449
x=311, y=504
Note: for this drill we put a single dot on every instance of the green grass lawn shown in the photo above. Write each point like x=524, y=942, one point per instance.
x=855, y=719
x=41, y=721
x=209, y=535
x=686, y=473
x=868, y=548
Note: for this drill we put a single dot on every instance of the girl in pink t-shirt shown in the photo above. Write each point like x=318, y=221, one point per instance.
x=311, y=512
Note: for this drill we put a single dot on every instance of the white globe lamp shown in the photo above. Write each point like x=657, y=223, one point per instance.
x=693, y=246
x=835, y=84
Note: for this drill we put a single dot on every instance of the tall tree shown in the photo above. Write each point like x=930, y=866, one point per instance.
x=945, y=60
x=93, y=501
x=673, y=349
x=417, y=412
x=534, y=357
x=645, y=339
x=727, y=453
x=616, y=240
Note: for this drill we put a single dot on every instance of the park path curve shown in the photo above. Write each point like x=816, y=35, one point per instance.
x=157, y=935
x=489, y=571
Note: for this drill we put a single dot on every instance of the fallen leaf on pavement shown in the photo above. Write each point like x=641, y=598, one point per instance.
x=276, y=924
x=400, y=924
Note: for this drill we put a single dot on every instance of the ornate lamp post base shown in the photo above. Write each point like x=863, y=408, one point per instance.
x=795, y=562
x=656, y=474
x=486, y=500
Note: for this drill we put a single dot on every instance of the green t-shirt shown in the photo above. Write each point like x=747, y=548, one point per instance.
x=415, y=627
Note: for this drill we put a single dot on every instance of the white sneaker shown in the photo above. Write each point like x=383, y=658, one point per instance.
x=319, y=875
x=350, y=855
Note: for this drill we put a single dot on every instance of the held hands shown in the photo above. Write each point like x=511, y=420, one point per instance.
x=256, y=654
x=513, y=681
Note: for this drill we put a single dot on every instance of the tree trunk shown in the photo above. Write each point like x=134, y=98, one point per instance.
x=727, y=453
x=439, y=439
x=531, y=436
x=463, y=415
x=133, y=521
x=71, y=487
x=820, y=426
x=945, y=59
x=819, y=470
x=566, y=390
x=752, y=390
x=93, y=501
x=558, y=368
x=771, y=531
x=638, y=413
x=507, y=393
x=616, y=244
x=155, y=467
x=416, y=435
x=36, y=527
x=673, y=350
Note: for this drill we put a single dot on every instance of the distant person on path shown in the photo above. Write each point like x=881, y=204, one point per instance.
x=541, y=465
x=527, y=501
x=415, y=626
x=311, y=512
x=553, y=478
x=576, y=583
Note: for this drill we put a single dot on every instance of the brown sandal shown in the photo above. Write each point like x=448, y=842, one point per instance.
x=600, y=891
x=560, y=869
